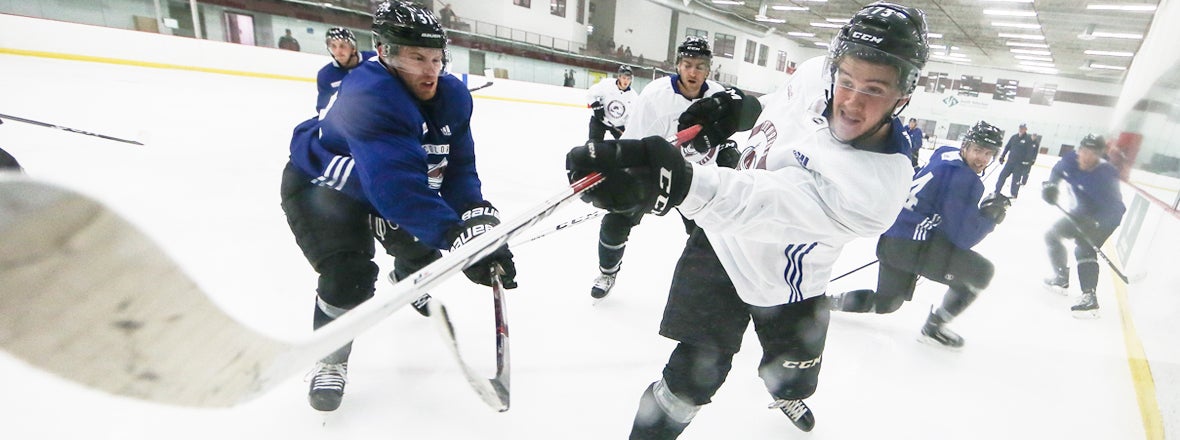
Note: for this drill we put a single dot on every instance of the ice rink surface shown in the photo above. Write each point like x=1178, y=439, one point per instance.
x=205, y=186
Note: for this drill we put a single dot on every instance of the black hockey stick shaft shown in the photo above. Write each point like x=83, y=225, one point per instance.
x=72, y=130
x=1086, y=239
x=855, y=270
x=480, y=87
x=502, y=381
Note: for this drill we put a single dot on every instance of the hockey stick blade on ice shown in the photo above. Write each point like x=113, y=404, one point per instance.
x=72, y=130
x=494, y=391
x=480, y=87
x=85, y=295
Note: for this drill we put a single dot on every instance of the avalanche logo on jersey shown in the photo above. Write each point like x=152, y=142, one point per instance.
x=762, y=137
x=616, y=109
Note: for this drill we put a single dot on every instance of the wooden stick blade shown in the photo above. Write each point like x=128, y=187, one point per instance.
x=85, y=295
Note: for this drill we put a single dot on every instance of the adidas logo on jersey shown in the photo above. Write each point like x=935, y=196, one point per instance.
x=446, y=130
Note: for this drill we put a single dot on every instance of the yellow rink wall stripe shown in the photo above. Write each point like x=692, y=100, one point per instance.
x=1149, y=409
x=243, y=73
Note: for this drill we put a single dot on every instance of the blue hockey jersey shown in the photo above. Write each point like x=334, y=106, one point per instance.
x=328, y=79
x=413, y=162
x=944, y=197
x=1096, y=190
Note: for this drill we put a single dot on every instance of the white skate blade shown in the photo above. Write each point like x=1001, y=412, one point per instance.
x=1056, y=289
x=1085, y=314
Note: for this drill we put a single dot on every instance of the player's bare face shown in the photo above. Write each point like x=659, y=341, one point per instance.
x=344, y=53
x=623, y=82
x=693, y=72
x=865, y=94
x=1088, y=159
x=977, y=157
x=419, y=68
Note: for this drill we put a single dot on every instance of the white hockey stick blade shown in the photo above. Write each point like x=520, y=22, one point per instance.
x=86, y=296
x=494, y=392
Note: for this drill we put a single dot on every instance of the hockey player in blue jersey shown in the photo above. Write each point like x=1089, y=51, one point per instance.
x=342, y=46
x=391, y=157
x=933, y=236
x=1099, y=210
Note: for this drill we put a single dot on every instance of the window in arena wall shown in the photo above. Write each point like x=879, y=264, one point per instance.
x=690, y=32
x=781, y=64
x=724, y=45
x=525, y=3
x=763, y=54
x=557, y=7
x=751, y=51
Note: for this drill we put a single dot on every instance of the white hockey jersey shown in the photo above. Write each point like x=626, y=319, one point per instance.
x=779, y=223
x=616, y=104
x=657, y=113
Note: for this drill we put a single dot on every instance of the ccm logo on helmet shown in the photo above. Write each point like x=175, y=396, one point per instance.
x=866, y=37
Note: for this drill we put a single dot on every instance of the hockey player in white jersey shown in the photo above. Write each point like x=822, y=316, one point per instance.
x=826, y=163
x=610, y=101
x=658, y=112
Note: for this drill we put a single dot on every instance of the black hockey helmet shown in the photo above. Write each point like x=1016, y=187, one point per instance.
x=402, y=23
x=341, y=34
x=694, y=47
x=885, y=33
x=985, y=135
x=624, y=70
x=1093, y=142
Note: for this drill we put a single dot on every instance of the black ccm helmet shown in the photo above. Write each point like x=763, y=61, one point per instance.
x=401, y=23
x=694, y=47
x=885, y=33
x=985, y=135
x=339, y=33
x=1093, y=142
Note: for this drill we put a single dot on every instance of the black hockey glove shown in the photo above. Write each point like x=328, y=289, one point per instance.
x=1049, y=192
x=476, y=221
x=641, y=175
x=995, y=208
x=599, y=111
x=720, y=116
x=728, y=156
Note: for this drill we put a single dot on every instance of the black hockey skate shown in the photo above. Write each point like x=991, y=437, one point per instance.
x=1087, y=307
x=1058, y=283
x=935, y=331
x=797, y=411
x=327, y=386
x=602, y=286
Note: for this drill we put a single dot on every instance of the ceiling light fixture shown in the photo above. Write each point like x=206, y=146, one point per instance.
x=1016, y=25
x=1037, y=64
x=838, y=20
x=728, y=2
x=1009, y=1
x=1109, y=53
x=789, y=8
x=765, y=19
x=1021, y=36
x=820, y=43
x=1030, y=52
x=801, y=34
x=933, y=35
x=1032, y=58
x=1009, y=13
x=1106, y=67
x=1127, y=36
x=826, y=25
x=1023, y=44
x=1125, y=8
